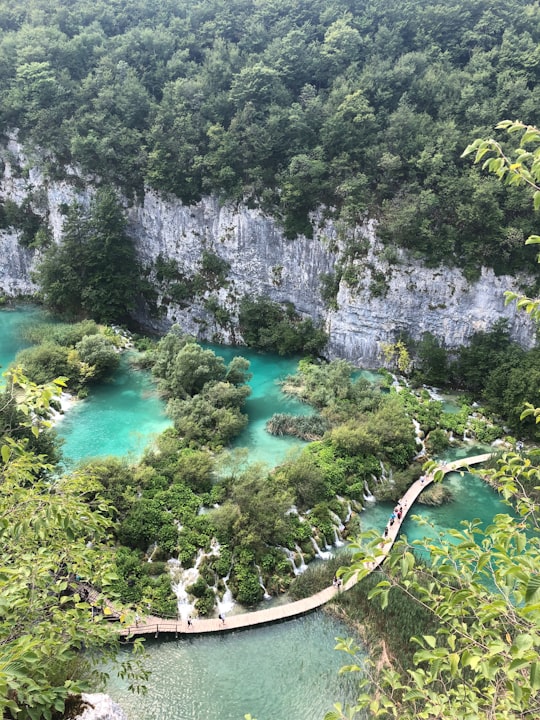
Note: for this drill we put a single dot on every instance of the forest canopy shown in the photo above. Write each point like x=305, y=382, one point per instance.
x=363, y=108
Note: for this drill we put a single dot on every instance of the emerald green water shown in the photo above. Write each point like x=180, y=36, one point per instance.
x=122, y=416
x=266, y=399
x=119, y=417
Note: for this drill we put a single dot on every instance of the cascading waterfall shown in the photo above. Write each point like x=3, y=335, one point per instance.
x=389, y=477
x=267, y=595
x=182, y=578
x=434, y=393
x=153, y=549
x=419, y=440
x=348, y=516
x=323, y=555
x=337, y=520
x=290, y=558
x=302, y=567
x=226, y=603
x=368, y=495
x=339, y=527
x=338, y=542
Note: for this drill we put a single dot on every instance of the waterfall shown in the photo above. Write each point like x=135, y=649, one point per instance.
x=338, y=542
x=153, y=549
x=318, y=552
x=226, y=603
x=368, y=496
x=290, y=558
x=180, y=580
x=434, y=393
x=337, y=520
x=349, y=508
x=302, y=567
x=419, y=440
x=267, y=595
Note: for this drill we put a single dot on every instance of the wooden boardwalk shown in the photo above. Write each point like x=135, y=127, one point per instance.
x=151, y=625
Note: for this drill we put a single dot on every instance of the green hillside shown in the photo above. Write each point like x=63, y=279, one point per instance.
x=361, y=107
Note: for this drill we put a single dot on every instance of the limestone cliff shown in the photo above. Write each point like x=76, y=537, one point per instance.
x=377, y=298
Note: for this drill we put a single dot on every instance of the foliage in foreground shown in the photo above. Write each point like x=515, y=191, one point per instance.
x=50, y=539
x=482, y=587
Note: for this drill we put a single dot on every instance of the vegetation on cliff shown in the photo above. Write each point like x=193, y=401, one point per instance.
x=94, y=271
x=363, y=109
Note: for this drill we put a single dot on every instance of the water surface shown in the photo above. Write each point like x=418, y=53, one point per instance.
x=119, y=417
x=288, y=670
x=12, y=326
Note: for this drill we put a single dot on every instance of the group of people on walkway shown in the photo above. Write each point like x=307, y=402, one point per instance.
x=397, y=514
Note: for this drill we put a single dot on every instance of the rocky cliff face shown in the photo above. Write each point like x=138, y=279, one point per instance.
x=375, y=302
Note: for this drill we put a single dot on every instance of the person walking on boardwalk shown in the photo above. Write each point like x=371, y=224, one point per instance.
x=221, y=616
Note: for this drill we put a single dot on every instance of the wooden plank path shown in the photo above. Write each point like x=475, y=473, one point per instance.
x=151, y=625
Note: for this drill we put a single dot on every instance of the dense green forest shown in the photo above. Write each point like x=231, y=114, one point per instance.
x=363, y=108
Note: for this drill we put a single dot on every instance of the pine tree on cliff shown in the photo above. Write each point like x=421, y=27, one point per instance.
x=94, y=270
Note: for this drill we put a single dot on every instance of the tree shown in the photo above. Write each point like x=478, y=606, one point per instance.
x=432, y=360
x=94, y=271
x=99, y=353
x=482, y=587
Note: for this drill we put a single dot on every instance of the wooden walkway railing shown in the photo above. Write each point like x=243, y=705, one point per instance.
x=152, y=625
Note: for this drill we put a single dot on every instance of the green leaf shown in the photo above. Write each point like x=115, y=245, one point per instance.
x=414, y=695
x=534, y=675
x=533, y=586
x=517, y=664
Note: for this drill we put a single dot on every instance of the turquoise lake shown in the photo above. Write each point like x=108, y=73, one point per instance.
x=286, y=670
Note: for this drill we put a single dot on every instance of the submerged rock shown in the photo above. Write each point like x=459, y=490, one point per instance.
x=435, y=495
